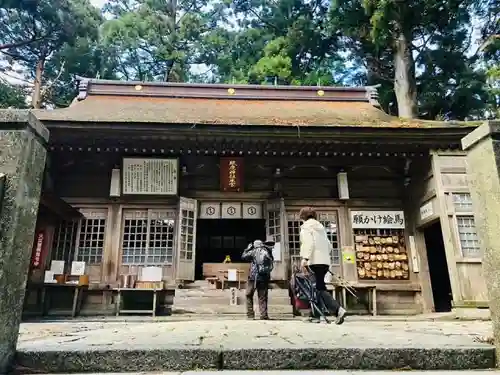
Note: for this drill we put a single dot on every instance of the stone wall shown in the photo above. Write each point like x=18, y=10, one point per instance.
x=483, y=166
x=22, y=160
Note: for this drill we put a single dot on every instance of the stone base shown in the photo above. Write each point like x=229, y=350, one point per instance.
x=62, y=347
x=255, y=359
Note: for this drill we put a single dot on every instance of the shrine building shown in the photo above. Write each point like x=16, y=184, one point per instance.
x=182, y=176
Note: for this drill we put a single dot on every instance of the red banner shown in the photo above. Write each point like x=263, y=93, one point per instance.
x=231, y=174
x=39, y=246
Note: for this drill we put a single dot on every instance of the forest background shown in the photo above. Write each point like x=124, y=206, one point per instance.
x=433, y=59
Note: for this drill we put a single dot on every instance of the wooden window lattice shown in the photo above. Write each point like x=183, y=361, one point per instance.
x=469, y=240
x=148, y=237
x=81, y=240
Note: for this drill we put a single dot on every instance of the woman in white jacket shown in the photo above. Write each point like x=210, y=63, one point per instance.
x=315, y=251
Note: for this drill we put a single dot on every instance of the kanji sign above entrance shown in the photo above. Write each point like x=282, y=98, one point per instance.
x=377, y=219
x=231, y=174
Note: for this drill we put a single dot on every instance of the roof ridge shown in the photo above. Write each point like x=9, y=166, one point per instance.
x=92, y=86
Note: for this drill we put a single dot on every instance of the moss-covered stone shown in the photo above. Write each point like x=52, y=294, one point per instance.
x=22, y=160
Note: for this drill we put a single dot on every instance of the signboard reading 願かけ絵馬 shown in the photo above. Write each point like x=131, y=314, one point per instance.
x=377, y=219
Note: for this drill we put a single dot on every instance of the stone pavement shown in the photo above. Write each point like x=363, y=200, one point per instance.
x=252, y=345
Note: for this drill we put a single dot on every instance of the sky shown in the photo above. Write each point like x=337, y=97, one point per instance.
x=98, y=3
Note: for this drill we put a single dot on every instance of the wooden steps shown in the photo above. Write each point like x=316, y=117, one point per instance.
x=199, y=298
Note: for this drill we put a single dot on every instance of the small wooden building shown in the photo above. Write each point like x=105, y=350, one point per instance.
x=183, y=175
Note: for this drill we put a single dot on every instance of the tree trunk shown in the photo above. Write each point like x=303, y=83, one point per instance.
x=172, y=10
x=404, y=78
x=36, y=99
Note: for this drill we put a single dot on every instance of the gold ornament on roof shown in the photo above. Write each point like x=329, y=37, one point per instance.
x=231, y=91
x=320, y=92
x=138, y=87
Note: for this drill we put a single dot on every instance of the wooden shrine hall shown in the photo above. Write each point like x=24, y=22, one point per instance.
x=181, y=177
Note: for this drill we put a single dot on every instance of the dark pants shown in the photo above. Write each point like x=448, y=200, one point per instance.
x=262, y=293
x=320, y=271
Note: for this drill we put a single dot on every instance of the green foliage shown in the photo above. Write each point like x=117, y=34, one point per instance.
x=33, y=30
x=289, y=42
x=155, y=39
x=43, y=33
x=284, y=42
x=85, y=58
x=11, y=96
x=447, y=80
x=488, y=11
x=276, y=63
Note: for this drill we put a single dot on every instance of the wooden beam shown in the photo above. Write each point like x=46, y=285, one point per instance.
x=59, y=207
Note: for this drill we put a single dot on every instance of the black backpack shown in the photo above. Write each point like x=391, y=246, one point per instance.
x=263, y=261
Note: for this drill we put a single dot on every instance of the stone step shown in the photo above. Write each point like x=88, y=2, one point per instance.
x=233, y=344
x=143, y=359
x=219, y=300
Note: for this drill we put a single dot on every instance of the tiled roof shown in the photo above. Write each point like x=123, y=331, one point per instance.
x=190, y=111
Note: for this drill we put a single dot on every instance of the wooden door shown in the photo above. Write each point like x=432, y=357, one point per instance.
x=186, y=239
x=276, y=231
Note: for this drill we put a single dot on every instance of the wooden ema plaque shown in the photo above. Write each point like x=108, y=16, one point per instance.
x=231, y=174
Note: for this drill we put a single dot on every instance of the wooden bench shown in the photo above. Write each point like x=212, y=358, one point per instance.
x=123, y=292
x=46, y=292
x=224, y=278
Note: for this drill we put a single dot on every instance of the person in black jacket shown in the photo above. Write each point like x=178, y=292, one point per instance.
x=261, y=257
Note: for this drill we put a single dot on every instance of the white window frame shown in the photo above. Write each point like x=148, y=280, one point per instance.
x=465, y=213
x=59, y=252
x=148, y=214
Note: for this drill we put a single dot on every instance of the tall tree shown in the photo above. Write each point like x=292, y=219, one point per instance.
x=488, y=11
x=394, y=34
x=32, y=31
x=283, y=41
x=155, y=39
x=86, y=58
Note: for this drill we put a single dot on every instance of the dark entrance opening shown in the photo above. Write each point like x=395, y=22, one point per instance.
x=438, y=268
x=215, y=239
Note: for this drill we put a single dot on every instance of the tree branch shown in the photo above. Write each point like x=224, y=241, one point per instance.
x=488, y=41
x=21, y=44
x=14, y=56
x=422, y=48
x=262, y=20
x=18, y=79
x=61, y=69
x=374, y=67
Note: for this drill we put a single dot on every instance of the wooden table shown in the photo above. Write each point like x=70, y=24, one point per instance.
x=120, y=291
x=224, y=278
x=78, y=293
x=372, y=296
